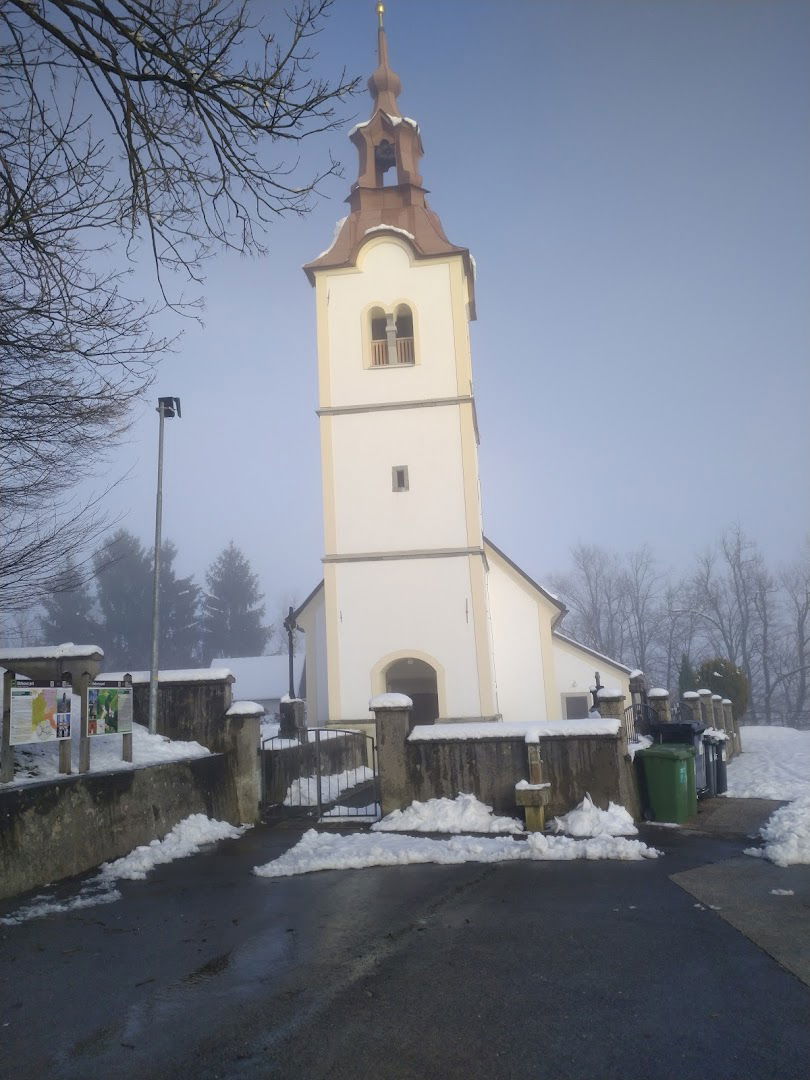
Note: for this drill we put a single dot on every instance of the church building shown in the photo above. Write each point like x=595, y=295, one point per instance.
x=414, y=598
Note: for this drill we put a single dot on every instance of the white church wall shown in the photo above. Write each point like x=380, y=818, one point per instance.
x=369, y=515
x=517, y=646
x=575, y=670
x=312, y=621
x=387, y=276
x=416, y=607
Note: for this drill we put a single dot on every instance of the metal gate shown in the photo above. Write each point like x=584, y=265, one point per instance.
x=329, y=774
x=637, y=720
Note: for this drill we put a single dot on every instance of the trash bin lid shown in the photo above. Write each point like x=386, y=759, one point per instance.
x=678, y=751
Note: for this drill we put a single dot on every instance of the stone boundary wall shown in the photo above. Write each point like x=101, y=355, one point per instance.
x=55, y=829
x=490, y=768
x=191, y=711
x=288, y=763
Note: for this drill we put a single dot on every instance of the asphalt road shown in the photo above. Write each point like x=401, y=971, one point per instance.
x=549, y=970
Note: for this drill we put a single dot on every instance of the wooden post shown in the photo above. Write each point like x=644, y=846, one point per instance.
x=66, y=745
x=126, y=746
x=84, y=742
x=534, y=796
x=6, y=750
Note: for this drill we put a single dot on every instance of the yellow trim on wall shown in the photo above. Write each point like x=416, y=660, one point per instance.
x=332, y=643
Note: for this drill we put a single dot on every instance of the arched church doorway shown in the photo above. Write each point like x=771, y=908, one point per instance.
x=418, y=680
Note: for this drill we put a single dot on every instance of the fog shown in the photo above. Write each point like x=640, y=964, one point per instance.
x=632, y=180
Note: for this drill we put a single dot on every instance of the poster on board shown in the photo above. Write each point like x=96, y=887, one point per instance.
x=109, y=710
x=39, y=714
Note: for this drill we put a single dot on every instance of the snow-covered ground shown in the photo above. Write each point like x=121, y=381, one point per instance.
x=186, y=838
x=775, y=764
x=464, y=814
x=588, y=820
x=323, y=851
x=304, y=791
x=40, y=761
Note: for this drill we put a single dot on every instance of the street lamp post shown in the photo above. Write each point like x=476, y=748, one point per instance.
x=167, y=408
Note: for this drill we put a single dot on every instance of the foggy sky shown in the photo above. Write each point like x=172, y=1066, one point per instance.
x=632, y=178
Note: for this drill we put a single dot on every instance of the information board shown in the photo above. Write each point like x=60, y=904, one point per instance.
x=39, y=714
x=109, y=710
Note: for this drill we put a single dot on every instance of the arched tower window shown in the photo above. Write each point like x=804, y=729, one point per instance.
x=418, y=680
x=404, y=329
x=391, y=337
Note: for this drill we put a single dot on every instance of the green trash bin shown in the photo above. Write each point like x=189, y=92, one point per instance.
x=669, y=772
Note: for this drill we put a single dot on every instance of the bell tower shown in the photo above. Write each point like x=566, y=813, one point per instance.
x=406, y=606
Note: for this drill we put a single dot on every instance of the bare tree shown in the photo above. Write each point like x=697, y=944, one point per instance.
x=593, y=591
x=124, y=125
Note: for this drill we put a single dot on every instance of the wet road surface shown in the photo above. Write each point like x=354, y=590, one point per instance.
x=551, y=970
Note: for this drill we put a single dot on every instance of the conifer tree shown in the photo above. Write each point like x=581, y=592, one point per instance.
x=124, y=581
x=68, y=610
x=124, y=570
x=233, y=608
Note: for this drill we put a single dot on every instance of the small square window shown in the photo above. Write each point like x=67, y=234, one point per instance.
x=576, y=706
x=399, y=478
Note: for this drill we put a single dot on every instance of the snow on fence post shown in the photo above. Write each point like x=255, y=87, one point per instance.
x=393, y=715
x=706, y=711
x=610, y=702
x=658, y=698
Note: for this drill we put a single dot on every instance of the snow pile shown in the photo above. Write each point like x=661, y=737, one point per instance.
x=321, y=851
x=245, y=708
x=464, y=814
x=172, y=675
x=35, y=762
x=304, y=792
x=641, y=743
x=716, y=733
x=588, y=820
x=185, y=839
x=390, y=701
x=786, y=835
x=775, y=764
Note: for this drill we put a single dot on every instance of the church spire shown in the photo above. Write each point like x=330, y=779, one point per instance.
x=388, y=192
x=385, y=85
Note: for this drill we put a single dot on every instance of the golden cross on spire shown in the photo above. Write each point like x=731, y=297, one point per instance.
x=380, y=11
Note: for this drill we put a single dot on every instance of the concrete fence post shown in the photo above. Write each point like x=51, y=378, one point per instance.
x=659, y=702
x=393, y=715
x=731, y=723
x=691, y=703
x=610, y=703
x=293, y=718
x=241, y=741
x=706, y=712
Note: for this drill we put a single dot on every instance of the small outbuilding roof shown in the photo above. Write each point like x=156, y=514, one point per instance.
x=262, y=678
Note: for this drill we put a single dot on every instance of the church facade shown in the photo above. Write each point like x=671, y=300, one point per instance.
x=414, y=598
